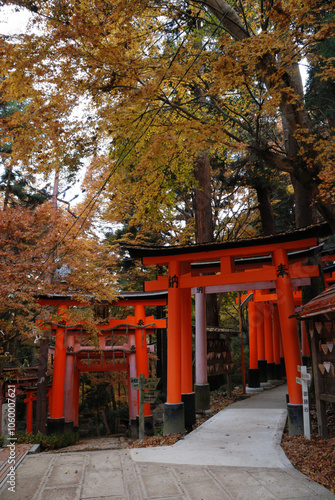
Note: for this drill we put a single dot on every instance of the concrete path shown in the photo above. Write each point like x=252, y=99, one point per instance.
x=234, y=455
x=246, y=434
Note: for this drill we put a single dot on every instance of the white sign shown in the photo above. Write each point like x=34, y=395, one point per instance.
x=304, y=381
x=150, y=384
x=150, y=396
x=135, y=383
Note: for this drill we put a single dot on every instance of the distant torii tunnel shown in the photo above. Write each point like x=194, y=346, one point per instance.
x=122, y=347
x=276, y=264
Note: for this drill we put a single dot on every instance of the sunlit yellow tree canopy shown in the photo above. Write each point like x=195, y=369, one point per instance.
x=144, y=88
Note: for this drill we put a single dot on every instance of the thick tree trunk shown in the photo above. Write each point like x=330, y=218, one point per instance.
x=303, y=204
x=204, y=222
x=303, y=197
x=202, y=201
x=294, y=116
x=265, y=209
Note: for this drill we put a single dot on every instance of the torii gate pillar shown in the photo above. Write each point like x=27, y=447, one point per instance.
x=174, y=420
x=254, y=385
x=268, y=342
x=202, y=389
x=290, y=341
x=142, y=366
x=305, y=352
x=56, y=419
x=262, y=363
x=29, y=412
x=69, y=410
x=132, y=393
x=76, y=390
x=276, y=343
x=187, y=393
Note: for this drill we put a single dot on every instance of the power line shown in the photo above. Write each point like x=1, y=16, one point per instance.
x=125, y=153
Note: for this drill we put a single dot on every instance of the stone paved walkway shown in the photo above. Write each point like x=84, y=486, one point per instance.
x=235, y=455
x=113, y=475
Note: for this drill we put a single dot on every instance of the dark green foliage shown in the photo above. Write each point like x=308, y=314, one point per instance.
x=320, y=93
x=52, y=442
x=19, y=191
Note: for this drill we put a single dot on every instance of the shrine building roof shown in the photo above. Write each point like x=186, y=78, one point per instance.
x=321, y=304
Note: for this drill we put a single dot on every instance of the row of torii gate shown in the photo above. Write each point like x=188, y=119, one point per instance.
x=122, y=346
x=273, y=268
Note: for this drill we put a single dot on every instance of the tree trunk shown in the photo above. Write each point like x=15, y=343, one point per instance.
x=202, y=201
x=294, y=116
x=303, y=204
x=303, y=197
x=204, y=223
x=265, y=209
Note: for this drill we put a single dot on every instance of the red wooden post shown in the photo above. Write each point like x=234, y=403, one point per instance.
x=29, y=418
x=58, y=377
x=253, y=374
x=142, y=367
x=290, y=340
x=268, y=343
x=69, y=410
x=186, y=342
x=174, y=334
x=288, y=325
x=132, y=393
x=305, y=351
x=253, y=358
x=174, y=421
x=262, y=363
x=188, y=395
x=276, y=342
x=56, y=420
x=76, y=388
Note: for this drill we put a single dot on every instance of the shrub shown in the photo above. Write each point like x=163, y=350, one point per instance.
x=51, y=442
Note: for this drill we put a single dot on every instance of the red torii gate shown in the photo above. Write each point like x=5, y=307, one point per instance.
x=70, y=357
x=266, y=364
x=233, y=274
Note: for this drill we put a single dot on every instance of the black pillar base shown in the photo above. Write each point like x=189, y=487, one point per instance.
x=133, y=428
x=69, y=426
x=278, y=372
x=306, y=360
x=271, y=371
x=55, y=426
x=253, y=378
x=295, y=420
x=189, y=409
x=262, y=367
x=174, y=420
x=202, y=397
x=283, y=369
x=149, y=428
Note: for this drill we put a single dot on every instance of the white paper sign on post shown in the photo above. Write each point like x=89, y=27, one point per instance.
x=304, y=381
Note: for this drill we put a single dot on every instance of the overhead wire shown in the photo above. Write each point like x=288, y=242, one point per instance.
x=124, y=156
x=88, y=208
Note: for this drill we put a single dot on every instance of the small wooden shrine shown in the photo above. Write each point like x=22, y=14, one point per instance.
x=319, y=313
